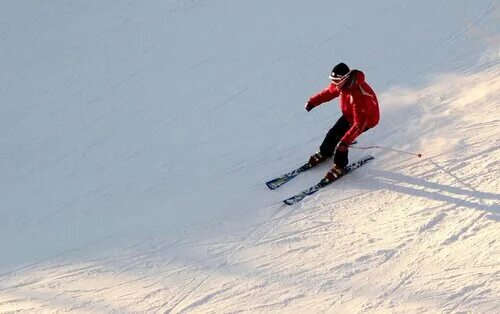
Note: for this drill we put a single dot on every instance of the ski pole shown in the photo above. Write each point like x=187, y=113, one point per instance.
x=419, y=155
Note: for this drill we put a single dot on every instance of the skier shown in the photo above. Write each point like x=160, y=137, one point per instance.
x=360, y=112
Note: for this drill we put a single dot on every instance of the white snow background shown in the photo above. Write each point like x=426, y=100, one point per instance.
x=136, y=137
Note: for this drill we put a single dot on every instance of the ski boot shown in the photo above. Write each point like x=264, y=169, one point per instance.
x=335, y=173
x=316, y=159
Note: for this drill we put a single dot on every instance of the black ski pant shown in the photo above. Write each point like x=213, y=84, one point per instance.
x=331, y=140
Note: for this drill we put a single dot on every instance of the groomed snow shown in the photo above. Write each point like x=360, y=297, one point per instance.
x=137, y=137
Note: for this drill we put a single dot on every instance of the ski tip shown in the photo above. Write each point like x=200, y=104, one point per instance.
x=270, y=186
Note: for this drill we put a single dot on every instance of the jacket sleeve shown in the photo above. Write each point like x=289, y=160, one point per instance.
x=325, y=95
x=360, y=118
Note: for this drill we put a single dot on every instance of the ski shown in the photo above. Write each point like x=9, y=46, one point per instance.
x=324, y=182
x=279, y=181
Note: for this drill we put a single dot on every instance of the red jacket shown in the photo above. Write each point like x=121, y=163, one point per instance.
x=358, y=103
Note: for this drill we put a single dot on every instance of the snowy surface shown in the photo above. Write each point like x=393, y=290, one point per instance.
x=137, y=137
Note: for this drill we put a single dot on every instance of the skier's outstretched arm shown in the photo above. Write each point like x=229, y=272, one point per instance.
x=325, y=95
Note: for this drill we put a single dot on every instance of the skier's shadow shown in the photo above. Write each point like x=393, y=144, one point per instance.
x=463, y=195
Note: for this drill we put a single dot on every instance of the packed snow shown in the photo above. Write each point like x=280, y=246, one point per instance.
x=138, y=135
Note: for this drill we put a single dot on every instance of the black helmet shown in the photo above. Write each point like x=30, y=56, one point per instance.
x=339, y=70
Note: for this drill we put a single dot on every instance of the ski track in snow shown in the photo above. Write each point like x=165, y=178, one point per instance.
x=402, y=235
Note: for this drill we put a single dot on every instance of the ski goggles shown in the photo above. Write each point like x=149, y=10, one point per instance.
x=338, y=79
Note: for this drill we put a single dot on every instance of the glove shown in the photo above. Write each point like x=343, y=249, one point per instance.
x=341, y=147
x=309, y=106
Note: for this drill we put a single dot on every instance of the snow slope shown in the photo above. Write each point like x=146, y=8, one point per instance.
x=137, y=137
